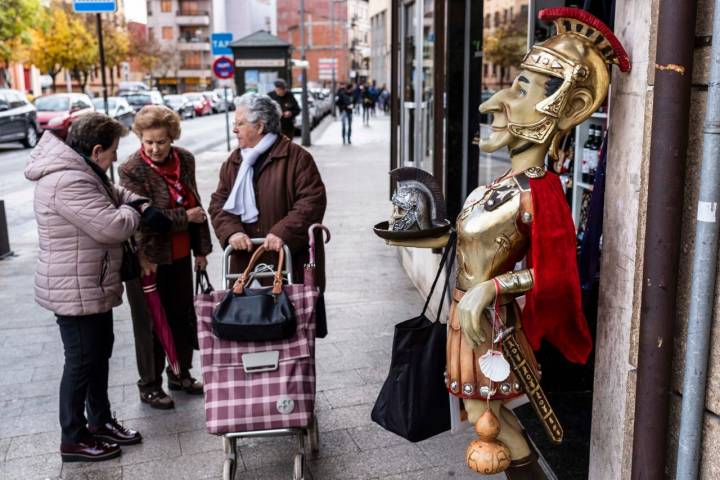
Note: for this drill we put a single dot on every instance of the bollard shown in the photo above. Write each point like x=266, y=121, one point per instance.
x=4, y=239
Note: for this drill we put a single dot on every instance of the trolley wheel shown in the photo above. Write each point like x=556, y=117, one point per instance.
x=298, y=467
x=229, y=469
x=314, y=437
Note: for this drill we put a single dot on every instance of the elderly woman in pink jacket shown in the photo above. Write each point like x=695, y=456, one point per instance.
x=83, y=220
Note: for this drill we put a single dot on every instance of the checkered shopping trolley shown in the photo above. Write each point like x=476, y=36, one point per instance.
x=255, y=389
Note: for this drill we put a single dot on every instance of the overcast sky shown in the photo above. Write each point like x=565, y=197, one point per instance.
x=135, y=10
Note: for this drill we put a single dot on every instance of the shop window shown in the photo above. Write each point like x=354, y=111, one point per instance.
x=167, y=33
x=165, y=5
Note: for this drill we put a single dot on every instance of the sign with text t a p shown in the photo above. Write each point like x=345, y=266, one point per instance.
x=94, y=6
x=221, y=43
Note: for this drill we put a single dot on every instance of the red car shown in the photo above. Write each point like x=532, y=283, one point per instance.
x=202, y=105
x=57, y=112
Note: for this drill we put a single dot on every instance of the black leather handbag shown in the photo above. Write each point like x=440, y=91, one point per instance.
x=413, y=401
x=130, y=267
x=255, y=314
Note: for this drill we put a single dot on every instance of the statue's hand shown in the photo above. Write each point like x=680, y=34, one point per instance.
x=470, y=311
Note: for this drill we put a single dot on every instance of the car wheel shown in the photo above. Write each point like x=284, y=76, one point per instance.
x=31, y=137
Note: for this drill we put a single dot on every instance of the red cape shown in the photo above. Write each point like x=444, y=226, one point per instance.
x=553, y=308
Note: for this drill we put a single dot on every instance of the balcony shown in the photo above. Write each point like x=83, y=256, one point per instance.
x=192, y=71
x=197, y=44
x=200, y=18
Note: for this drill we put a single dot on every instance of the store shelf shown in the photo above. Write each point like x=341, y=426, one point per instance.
x=599, y=115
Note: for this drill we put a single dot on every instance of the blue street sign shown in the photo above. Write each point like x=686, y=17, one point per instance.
x=221, y=43
x=94, y=6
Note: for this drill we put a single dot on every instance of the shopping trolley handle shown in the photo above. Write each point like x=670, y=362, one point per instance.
x=227, y=276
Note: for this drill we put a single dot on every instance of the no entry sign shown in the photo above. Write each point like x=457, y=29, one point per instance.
x=223, y=68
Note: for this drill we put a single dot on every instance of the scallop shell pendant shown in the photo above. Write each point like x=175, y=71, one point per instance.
x=494, y=366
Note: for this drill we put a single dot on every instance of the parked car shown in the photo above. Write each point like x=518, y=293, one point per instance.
x=18, y=119
x=323, y=100
x=312, y=112
x=57, y=112
x=220, y=92
x=118, y=108
x=125, y=88
x=181, y=104
x=139, y=99
x=202, y=105
x=217, y=103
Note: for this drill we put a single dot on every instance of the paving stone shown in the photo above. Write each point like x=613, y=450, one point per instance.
x=346, y=397
x=4, y=445
x=374, y=374
x=29, y=424
x=332, y=380
x=11, y=408
x=38, y=466
x=100, y=473
x=345, y=417
x=198, y=441
x=373, y=436
x=31, y=445
x=187, y=467
x=448, y=448
x=441, y=473
x=378, y=463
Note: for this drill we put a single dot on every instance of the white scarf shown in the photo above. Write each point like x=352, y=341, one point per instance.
x=241, y=200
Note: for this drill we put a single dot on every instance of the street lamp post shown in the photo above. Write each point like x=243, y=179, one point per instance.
x=305, y=112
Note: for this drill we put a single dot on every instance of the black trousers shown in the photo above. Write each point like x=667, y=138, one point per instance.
x=88, y=342
x=175, y=286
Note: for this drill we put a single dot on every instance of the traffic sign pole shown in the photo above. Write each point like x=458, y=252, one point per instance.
x=227, y=118
x=103, y=78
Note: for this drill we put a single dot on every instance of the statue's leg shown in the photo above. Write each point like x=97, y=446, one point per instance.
x=510, y=434
x=510, y=418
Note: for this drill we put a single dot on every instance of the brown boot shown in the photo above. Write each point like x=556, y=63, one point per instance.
x=527, y=468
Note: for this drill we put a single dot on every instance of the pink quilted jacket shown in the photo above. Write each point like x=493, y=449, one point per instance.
x=80, y=229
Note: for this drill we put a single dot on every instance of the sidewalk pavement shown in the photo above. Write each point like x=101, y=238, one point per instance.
x=368, y=292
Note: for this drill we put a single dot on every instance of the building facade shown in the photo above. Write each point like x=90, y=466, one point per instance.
x=243, y=17
x=379, y=12
x=182, y=29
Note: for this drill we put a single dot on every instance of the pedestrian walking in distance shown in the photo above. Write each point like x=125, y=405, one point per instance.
x=269, y=187
x=83, y=220
x=344, y=103
x=166, y=175
x=367, y=104
x=288, y=105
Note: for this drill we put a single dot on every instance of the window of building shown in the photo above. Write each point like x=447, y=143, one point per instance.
x=151, y=33
x=191, y=60
x=167, y=33
x=165, y=5
x=505, y=15
x=488, y=19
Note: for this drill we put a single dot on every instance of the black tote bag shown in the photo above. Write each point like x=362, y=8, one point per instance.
x=413, y=401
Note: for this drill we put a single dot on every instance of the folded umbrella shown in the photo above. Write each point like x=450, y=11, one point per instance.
x=310, y=279
x=160, y=323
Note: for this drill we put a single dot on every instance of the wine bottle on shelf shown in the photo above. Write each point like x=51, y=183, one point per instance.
x=595, y=157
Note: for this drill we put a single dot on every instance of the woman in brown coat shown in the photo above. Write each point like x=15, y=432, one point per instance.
x=269, y=187
x=166, y=175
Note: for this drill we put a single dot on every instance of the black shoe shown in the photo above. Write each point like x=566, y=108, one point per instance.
x=114, y=432
x=89, y=450
x=188, y=384
x=157, y=399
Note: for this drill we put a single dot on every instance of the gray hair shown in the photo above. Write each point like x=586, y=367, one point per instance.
x=261, y=109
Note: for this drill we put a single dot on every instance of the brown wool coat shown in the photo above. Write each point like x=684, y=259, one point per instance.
x=290, y=196
x=139, y=178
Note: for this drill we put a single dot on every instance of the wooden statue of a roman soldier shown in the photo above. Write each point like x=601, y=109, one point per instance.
x=523, y=215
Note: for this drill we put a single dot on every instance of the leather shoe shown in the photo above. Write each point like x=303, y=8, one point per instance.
x=89, y=450
x=157, y=399
x=112, y=431
x=189, y=384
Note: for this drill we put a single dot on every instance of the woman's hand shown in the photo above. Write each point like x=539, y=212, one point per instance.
x=196, y=215
x=470, y=311
x=200, y=263
x=240, y=241
x=146, y=265
x=273, y=243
